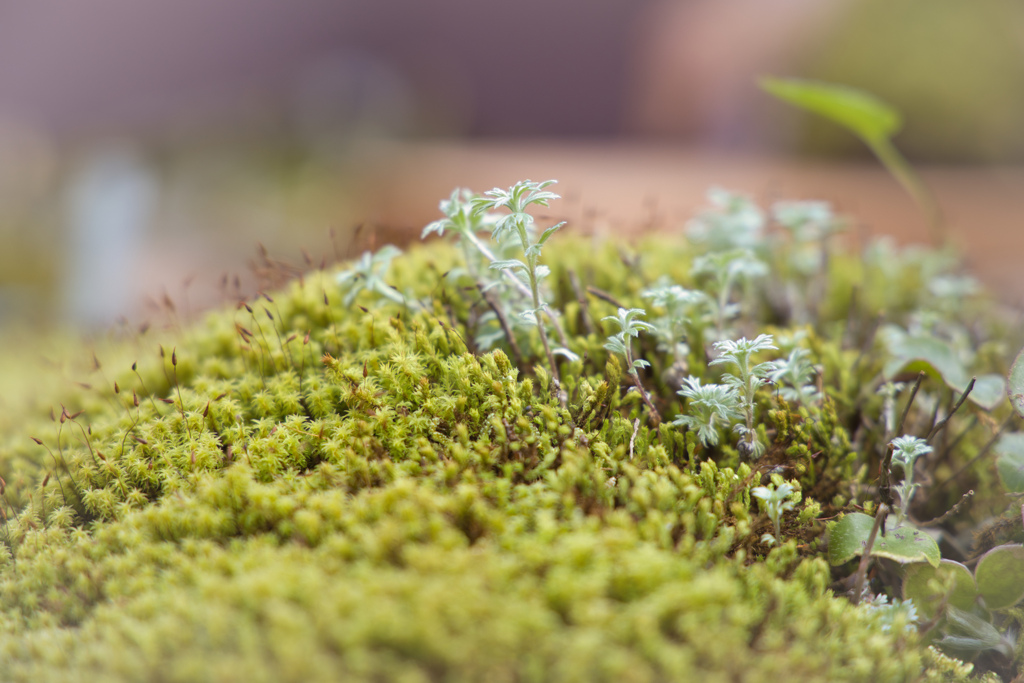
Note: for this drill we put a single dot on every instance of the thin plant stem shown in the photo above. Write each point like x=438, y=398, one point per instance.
x=942, y=423
x=884, y=484
x=981, y=454
x=605, y=296
x=865, y=558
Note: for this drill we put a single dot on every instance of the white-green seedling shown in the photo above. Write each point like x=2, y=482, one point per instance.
x=710, y=406
x=806, y=221
x=796, y=375
x=889, y=391
x=687, y=313
x=724, y=270
x=774, y=500
x=733, y=222
x=953, y=288
x=367, y=275
x=747, y=380
x=518, y=224
x=463, y=222
x=809, y=225
x=905, y=450
x=630, y=326
x=888, y=614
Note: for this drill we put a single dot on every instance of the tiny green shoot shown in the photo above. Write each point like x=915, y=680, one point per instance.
x=518, y=224
x=748, y=379
x=905, y=451
x=630, y=326
x=774, y=501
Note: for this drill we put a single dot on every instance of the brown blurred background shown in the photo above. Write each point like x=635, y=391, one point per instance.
x=146, y=147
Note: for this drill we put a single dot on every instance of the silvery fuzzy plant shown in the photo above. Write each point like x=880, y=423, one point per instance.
x=730, y=232
x=734, y=221
x=774, y=501
x=747, y=380
x=687, y=313
x=709, y=407
x=630, y=326
x=518, y=225
x=810, y=225
x=519, y=283
x=464, y=224
x=713, y=405
x=906, y=450
x=367, y=275
x=795, y=375
x=722, y=272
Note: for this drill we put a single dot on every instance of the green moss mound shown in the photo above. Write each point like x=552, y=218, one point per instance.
x=299, y=490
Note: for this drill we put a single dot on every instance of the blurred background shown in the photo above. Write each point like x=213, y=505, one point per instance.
x=146, y=148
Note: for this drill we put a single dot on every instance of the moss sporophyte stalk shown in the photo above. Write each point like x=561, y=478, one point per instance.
x=500, y=459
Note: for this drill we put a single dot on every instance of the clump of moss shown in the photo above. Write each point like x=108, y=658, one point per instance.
x=307, y=488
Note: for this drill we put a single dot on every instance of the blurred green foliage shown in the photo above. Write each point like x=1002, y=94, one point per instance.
x=955, y=69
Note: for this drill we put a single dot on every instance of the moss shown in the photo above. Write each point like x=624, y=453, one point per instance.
x=296, y=491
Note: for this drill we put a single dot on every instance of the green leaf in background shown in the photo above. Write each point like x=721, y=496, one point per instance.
x=988, y=391
x=1015, y=383
x=935, y=357
x=961, y=592
x=863, y=114
x=1000, y=576
x=903, y=544
x=1010, y=461
x=867, y=117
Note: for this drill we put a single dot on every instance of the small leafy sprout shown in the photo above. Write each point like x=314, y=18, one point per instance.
x=462, y=220
x=949, y=294
x=888, y=614
x=774, y=501
x=966, y=632
x=630, y=326
x=953, y=288
x=889, y=391
x=734, y=222
x=621, y=343
x=519, y=223
x=724, y=270
x=687, y=314
x=796, y=374
x=806, y=221
x=710, y=406
x=905, y=450
x=809, y=224
x=368, y=273
x=746, y=383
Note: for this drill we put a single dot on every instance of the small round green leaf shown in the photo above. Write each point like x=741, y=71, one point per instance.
x=918, y=585
x=847, y=537
x=1015, y=383
x=904, y=544
x=1010, y=461
x=988, y=391
x=935, y=357
x=1000, y=576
